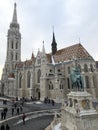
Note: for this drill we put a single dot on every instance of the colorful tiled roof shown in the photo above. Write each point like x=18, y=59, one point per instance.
x=49, y=58
x=19, y=65
x=77, y=51
x=65, y=54
x=26, y=63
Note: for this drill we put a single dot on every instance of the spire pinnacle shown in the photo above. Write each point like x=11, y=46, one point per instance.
x=43, y=42
x=14, y=20
x=54, y=44
x=54, y=38
x=43, y=48
x=79, y=40
x=53, y=28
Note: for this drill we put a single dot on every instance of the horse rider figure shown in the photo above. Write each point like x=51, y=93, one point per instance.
x=77, y=79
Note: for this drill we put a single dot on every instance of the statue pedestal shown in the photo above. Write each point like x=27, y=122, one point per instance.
x=79, y=113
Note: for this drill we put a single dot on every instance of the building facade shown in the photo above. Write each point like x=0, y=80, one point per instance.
x=44, y=75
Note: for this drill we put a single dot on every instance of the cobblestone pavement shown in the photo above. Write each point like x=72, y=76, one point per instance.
x=28, y=107
x=38, y=123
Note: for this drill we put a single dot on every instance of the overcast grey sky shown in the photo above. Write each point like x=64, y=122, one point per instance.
x=71, y=19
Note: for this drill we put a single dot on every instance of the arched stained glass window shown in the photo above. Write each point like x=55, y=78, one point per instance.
x=16, y=45
x=11, y=56
x=87, y=81
x=16, y=57
x=68, y=83
x=94, y=80
x=38, y=76
x=28, y=79
x=85, y=68
x=91, y=68
x=20, y=80
x=51, y=86
x=12, y=45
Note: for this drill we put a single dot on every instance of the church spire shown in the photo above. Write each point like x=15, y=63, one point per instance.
x=43, y=55
x=13, y=42
x=14, y=23
x=54, y=44
x=14, y=20
x=43, y=48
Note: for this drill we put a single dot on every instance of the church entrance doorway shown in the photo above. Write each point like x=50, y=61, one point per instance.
x=38, y=93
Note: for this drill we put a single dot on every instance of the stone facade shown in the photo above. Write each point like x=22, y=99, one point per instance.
x=79, y=113
x=46, y=75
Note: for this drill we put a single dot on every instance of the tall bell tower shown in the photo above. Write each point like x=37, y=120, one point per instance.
x=13, y=43
x=13, y=55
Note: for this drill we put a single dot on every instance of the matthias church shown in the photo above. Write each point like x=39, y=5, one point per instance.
x=46, y=74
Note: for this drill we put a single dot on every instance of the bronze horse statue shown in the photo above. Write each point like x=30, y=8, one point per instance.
x=77, y=79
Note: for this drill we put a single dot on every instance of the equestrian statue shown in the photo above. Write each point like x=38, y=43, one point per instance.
x=76, y=79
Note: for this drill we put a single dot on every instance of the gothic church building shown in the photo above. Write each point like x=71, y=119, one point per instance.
x=46, y=75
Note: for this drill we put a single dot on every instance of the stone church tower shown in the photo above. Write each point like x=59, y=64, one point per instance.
x=13, y=54
x=13, y=43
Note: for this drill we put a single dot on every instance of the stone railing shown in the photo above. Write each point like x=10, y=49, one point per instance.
x=56, y=120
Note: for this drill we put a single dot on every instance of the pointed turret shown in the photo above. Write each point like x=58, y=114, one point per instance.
x=43, y=55
x=54, y=45
x=43, y=49
x=14, y=19
x=13, y=42
x=32, y=57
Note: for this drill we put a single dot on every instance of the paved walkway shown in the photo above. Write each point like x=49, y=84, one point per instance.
x=32, y=123
x=39, y=123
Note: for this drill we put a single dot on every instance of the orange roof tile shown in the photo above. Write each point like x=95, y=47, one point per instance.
x=26, y=63
x=49, y=58
x=74, y=51
x=77, y=51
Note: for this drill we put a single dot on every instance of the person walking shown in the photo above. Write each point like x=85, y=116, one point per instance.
x=53, y=103
x=6, y=110
x=12, y=111
x=7, y=127
x=17, y=110
x=21, y=109
x=2, y=127
x=23, y=118
x=2, y=115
